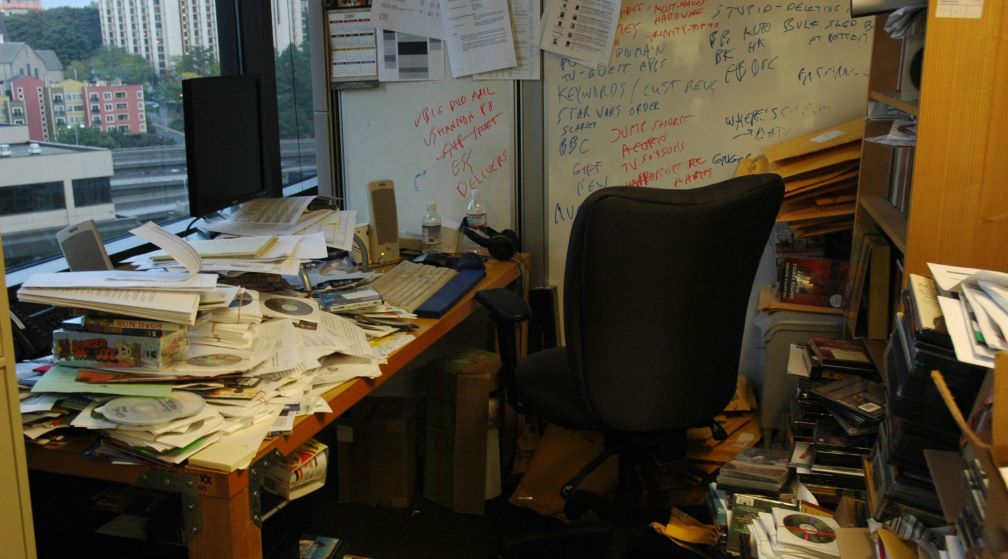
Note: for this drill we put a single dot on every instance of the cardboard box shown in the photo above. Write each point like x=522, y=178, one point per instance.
x=300, y=473
x=455, y=458
x=376, y=452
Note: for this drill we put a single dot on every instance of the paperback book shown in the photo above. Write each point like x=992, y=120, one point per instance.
x=813, y=281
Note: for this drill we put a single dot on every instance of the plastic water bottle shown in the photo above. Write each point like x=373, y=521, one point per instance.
x=476, y=217
x=430, y=230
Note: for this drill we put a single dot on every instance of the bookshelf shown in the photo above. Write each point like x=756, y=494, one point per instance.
x=958, y=212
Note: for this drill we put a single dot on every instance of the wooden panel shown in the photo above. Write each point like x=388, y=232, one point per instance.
x=959, y=203
x=16, y=530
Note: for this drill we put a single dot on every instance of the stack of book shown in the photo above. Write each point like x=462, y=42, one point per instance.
x=820, y=172
x=107, y=341
x=835, y=415
x=756, y=470
x=918, y=418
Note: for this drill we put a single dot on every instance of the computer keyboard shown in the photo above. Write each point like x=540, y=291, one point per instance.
x=409, y=284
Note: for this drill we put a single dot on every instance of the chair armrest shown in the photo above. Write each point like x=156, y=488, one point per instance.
x=507, y=309
x=505, y=305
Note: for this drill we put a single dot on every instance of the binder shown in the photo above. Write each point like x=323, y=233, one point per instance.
x=447, y=296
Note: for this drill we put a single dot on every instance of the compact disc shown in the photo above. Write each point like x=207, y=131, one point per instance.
x=288, y=306
x=139, y=410
x=809, y=528
x=213, y=360
x=241, y=300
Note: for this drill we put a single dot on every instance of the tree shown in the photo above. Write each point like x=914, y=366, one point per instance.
x=199, y=61
x=73, y=33
x=110, y=63
x=294, y=92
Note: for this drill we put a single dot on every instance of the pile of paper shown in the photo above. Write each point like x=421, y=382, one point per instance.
x=974, y=303
x=253, y=363
x=820, y=172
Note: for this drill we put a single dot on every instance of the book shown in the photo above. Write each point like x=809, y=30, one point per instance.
x=121, y=325
x=840, y=354
x=924, y=313
x=350, y=299
x=104, y=350
x=813, y=281
x=878, y=291
x=319, y=547
x=863, y=397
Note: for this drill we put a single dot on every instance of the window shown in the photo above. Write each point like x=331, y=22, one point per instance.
x=156, y=190
x=91, y=192
x=29, y=198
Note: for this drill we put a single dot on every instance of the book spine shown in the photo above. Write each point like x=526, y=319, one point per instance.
x=103, y=350
x=78, y=327
x=94, y=323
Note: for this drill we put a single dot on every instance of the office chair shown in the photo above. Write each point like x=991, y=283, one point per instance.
x=656, y=289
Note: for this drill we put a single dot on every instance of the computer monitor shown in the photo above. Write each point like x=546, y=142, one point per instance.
x=225, y=151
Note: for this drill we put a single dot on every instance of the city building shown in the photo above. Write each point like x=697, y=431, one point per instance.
x=51, y=184
x=115, y=107
x=34, y=92
x=66, y=105
x=19, y=59
x=27, y=106
x=159, y=30
x=20, y=7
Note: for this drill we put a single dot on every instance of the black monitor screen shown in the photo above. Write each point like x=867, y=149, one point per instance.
x=224, y=148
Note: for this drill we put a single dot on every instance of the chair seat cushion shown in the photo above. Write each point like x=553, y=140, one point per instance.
x=544, y=383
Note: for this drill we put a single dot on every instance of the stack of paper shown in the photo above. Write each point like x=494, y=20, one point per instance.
x=281, y=254
x=820, y=172
x=166, y=296
x=974, y=303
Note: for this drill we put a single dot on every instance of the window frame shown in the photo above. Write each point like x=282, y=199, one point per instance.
x=245, y=45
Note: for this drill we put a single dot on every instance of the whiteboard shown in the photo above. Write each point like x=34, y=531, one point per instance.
x=436, y=140
x=691, y=88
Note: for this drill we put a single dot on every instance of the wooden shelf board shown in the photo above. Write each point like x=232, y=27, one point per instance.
x=892, y=98
x=889, y=219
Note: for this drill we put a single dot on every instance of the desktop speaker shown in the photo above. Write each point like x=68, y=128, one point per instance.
x=501, y=246
x=83, y=248
x=384, y=231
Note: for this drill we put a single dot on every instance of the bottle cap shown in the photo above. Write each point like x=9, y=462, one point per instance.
x=431, y=206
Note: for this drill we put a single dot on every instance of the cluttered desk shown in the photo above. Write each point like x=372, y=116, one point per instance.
x=304, y=358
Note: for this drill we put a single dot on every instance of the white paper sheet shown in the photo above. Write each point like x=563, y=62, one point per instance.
x=478, y=35
x=352, y=46
x=961, y=333
x=175, y=246
x=417, y=17
x=406, y=57
x=525, y=30
x=583, y=30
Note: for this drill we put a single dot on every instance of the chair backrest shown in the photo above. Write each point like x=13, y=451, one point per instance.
x=656, y=290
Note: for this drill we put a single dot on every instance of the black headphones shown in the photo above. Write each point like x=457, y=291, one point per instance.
x=501, y=246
